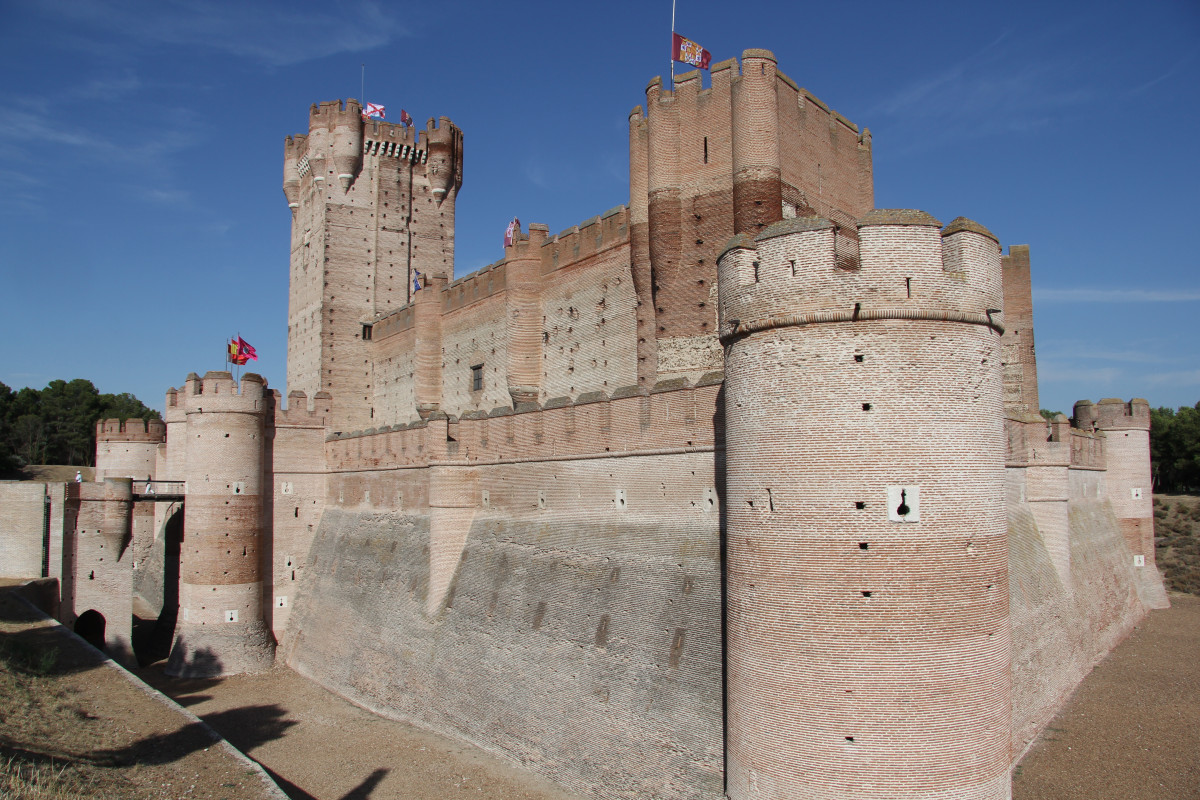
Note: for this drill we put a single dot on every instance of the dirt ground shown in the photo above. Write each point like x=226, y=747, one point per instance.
x=73, y=726
x=1131, y=732
x=1132, y=729
x=318, y=746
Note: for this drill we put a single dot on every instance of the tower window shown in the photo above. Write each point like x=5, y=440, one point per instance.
x=366, y=333
x=477, y=378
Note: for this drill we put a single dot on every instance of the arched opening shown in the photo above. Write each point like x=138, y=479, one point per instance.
x=90, y=627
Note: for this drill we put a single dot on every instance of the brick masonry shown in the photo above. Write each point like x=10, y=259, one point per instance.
x=499, y=505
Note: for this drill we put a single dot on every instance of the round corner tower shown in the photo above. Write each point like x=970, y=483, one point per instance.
x=221, y=629
x=866, y=539
x=128, y=448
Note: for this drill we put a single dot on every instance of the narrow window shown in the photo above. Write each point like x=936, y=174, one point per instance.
x=477, y=378
x=366, y=333
x=705, y=149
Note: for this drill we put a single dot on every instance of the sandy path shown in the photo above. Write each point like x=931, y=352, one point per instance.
x=318, y=746
x=1131, y=732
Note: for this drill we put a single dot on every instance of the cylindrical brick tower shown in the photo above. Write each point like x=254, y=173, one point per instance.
x=867, y=590
x=757, y=189
x=128, y=448
x=1126, y=427
x=523, y=307
x=221, y=629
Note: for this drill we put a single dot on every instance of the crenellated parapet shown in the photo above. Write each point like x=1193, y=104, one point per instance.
x=595, y=425
x=908, y=267
x=131, y=430
x=217, y=392
x=299, y=411
x=1113, y=414
x=582, y=241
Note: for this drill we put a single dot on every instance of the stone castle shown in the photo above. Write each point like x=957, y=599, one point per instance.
x=739, y=489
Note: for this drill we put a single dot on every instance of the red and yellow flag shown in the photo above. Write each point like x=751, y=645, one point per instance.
x=687, y=51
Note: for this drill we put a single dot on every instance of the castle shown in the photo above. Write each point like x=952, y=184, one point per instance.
x=740, y=489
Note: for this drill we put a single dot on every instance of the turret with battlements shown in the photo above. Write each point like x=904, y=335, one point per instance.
x=221, y=628
x=867, y=622
x=706, y=164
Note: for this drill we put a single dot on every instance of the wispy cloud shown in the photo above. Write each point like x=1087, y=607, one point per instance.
x=271, y=33
x=988, y=93
x=1169, y=73
x=1115, y=295
x=1188, y=377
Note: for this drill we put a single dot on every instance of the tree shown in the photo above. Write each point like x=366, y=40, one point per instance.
x=1175, y=449
x=57, y=425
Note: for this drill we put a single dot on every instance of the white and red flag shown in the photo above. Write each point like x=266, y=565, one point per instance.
x=511, y=232
x=373, y=111
x=687, y=51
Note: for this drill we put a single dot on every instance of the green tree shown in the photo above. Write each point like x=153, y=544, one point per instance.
x=57, y=425
x=1175, y=449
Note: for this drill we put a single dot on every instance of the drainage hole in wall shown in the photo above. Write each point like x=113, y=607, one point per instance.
x=866, y=594
x=864, y=545
x=859, y=358
x=849, y=738
x=860, y=505
x=866, y=406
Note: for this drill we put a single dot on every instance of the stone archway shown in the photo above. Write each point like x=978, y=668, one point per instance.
x=90, y=626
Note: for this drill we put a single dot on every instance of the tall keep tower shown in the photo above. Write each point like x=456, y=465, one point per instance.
x=372, y=205
x=221, y=628
x=867, y=617
x=705, y=164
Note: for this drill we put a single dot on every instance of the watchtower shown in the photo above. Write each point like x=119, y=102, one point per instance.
x=128, y=448
x=221, y=629
x=867, y=560
x=705, y=164
x=1130, y=485
x=372, y=205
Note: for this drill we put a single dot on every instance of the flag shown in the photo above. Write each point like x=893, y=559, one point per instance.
x=511, y=232
x=245, y=351
x=405, y=119
x=416, y=281
x=687, y=51
x=231, y=352
x=375, y=111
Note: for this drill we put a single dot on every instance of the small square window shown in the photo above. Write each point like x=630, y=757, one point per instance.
x=477, y=378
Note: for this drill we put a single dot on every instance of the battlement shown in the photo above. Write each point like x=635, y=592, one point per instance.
x=593, y=235
x=907, y=267
x=130, y=430
x=332, y=113
x=1033, y=441
x=755, y=63
x=218, y=392
x=300, y=411
x=1112, y=414
x=593, y=426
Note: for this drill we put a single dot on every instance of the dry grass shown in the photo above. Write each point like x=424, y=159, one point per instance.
x=40, y=728
x=1177, y=541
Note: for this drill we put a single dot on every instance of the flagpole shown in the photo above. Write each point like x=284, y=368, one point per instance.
x=362, y=89
x=672, y=45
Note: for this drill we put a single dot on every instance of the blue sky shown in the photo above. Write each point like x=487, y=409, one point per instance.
x=142, y=221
